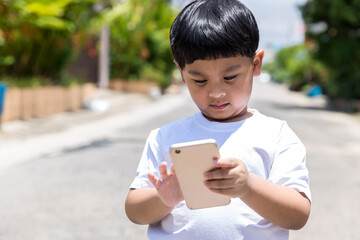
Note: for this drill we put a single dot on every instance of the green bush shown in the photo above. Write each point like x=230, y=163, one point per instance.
x=40, y=37
x=26, y=82
x=337, y=43
x=140, y=46
x=151, y=74
x=296, y=67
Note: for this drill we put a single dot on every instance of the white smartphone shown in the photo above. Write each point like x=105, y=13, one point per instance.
x=191, y=160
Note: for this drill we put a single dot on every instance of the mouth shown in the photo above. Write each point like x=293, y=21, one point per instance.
x=219, y=106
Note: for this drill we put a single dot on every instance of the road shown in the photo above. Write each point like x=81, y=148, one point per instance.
x=79, y=193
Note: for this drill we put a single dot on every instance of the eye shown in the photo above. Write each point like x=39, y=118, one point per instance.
x=200, y=81
x=230, y=78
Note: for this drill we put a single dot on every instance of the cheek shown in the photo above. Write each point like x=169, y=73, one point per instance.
x=240, y=94
x=199, y=96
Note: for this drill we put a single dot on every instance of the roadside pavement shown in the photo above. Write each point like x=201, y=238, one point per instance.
x=21, y=141
x=79, y=165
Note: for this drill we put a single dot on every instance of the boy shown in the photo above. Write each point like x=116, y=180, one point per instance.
x=262, y=166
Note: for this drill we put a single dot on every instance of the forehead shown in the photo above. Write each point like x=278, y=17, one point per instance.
x=218, y=65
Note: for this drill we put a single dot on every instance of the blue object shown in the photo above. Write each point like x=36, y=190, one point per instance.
x=314, y=91
x=2, y=96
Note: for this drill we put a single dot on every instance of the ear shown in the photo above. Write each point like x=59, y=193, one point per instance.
x=257, y=62
x=181, y=71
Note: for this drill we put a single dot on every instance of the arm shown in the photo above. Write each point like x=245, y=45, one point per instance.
x=278, y=204
x=143, y=206
x=150, y=205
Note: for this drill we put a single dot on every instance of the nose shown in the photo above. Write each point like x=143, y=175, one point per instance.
x=217, y=92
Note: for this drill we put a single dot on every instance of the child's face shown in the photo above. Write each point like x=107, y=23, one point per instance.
x=221, y=88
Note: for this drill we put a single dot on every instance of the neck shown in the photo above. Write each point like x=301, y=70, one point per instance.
x=244, y=114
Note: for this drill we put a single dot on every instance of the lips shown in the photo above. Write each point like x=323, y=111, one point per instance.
x=219, y=106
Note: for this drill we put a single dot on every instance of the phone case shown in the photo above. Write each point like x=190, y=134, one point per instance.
x=191, y=160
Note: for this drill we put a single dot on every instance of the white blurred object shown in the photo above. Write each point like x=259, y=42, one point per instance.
x=98, y=106
x=155, y=93
x=265, y=77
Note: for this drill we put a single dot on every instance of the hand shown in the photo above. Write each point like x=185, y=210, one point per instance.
x=168, y=186
x=230, y=177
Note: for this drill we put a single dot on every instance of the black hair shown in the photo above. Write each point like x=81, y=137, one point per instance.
x=211, y=29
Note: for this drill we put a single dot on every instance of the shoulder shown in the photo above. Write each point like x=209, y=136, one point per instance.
x=278, y=130
x=271, y=129
x=172, y=131
x=265, y=123
x=178, y=124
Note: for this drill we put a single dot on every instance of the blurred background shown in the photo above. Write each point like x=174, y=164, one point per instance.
x=83, y=82
x=71, y=43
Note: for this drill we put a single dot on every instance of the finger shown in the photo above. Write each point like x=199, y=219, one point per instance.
x=154, y=180
x=220, y=184
x=227, y=162
x=224, y=191
x=163, y=171
x=172, y=170
x=218, y=173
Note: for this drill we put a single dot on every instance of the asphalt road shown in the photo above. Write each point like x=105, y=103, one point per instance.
x=79, y=194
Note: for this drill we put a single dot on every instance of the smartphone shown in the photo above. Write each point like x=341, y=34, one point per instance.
x=191, y=160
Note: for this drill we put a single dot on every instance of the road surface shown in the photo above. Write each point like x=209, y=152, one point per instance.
x=79, y=193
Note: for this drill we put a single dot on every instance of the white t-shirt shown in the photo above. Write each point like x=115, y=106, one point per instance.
x=267, y=146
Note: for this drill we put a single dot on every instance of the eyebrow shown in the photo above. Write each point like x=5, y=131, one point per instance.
x=232, y=68
x=229, y=69
x=195, y=73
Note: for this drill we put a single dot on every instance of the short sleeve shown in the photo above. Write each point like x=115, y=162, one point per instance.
x=289, y=165
x=150, y=161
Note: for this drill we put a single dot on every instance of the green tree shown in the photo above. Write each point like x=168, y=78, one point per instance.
x=296, y=67
x=140, y=46
x=334, y=25
x=40, y=37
